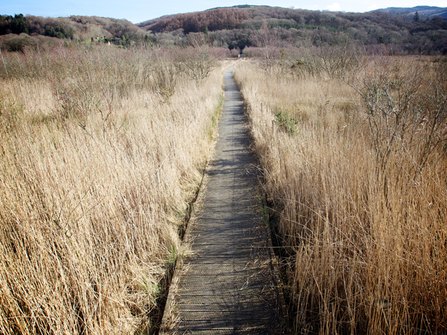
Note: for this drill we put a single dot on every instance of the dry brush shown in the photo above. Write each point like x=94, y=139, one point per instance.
x=355, y=175
x=101, y=151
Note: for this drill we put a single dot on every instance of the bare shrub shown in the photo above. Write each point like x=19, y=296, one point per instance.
x=197, y=63
x=164, y=75
x=406, y=107
x=13, y=42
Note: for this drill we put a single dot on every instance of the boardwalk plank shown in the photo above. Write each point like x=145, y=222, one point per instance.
x=227, y=285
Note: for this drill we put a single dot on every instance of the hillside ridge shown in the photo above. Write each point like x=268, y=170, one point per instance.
x=244, y=26
x=425, y=12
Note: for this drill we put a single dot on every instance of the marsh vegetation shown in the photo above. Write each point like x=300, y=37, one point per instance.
x=353, y=149
x=101, y=151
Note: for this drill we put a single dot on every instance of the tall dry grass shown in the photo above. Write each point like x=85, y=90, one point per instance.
x=101, y=151
x=355, y=174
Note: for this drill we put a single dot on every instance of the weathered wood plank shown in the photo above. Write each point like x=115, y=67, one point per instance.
x=227, y=286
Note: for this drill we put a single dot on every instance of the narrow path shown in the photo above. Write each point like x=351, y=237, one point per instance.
x=228, y=285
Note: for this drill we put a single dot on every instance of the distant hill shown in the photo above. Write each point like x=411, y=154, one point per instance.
x=211, y=19
x=424, y=12
x=242, y=16
x=73, y=27
x=248, y=26
x=241, y=26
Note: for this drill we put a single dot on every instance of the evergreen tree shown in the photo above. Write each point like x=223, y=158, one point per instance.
x=416, y=17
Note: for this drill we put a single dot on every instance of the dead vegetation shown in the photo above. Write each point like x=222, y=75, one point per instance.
x=101, y=151
x=355, y=175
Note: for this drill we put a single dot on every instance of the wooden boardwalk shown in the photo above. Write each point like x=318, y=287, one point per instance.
x=228, y=285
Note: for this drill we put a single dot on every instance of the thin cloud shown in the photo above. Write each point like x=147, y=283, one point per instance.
x=335, y=7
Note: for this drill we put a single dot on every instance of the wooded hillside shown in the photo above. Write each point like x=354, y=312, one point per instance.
x=21, y=31
x=238, y=27
x=244, y=26
x=73, y=27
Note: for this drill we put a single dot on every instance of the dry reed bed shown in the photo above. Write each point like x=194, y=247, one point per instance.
x=364, y=239
x=101, y=150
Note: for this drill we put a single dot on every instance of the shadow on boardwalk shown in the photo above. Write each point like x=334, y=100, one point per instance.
x=227, y=286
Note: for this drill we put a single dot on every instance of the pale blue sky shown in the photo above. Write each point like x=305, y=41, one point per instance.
x=141, y=10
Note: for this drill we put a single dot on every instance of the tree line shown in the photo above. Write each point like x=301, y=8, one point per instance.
x=73, y=27
x=239, y=27
x=19, y=24
x=247, y=26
